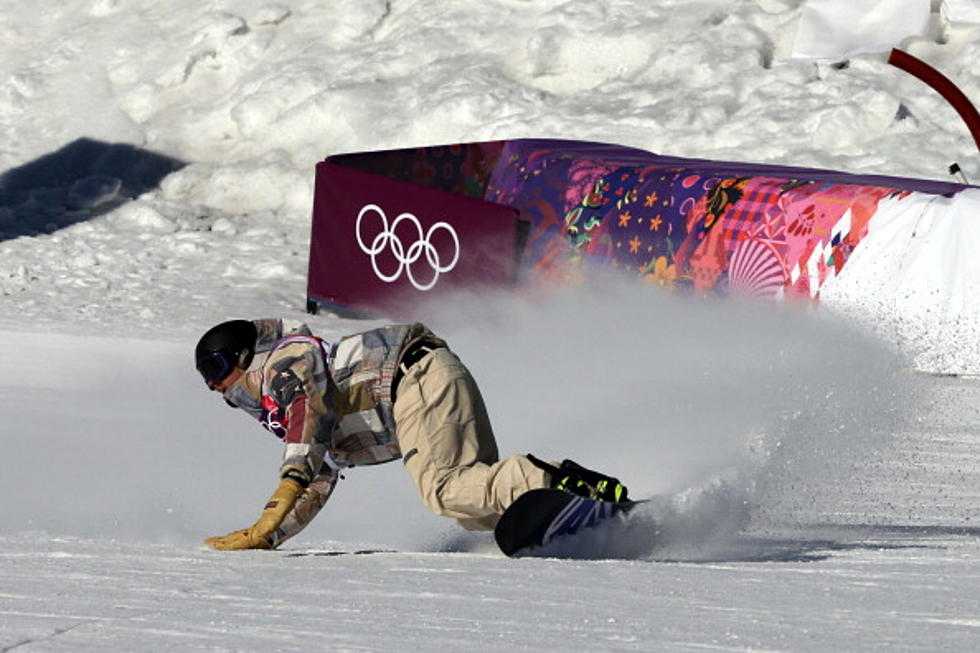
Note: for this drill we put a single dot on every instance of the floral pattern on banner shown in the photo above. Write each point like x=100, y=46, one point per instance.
x=761, y=236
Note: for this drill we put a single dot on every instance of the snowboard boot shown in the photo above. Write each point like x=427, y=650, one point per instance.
x=581, y=481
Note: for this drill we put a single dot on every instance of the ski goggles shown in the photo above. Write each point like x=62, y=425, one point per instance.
x=215, y=367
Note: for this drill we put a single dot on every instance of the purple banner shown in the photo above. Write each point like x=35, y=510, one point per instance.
x=381, y=245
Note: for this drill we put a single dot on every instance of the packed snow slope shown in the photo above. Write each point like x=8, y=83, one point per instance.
x=811, y=490
x=808, y=493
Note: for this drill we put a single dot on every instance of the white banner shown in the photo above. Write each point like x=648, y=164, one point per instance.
x=914, y=278
x=833, y=30
x=961, y=11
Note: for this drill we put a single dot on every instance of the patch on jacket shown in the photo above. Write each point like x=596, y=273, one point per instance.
x=273, y=417
x=286, y=386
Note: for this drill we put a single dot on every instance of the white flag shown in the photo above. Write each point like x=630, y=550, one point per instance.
x=833, y=30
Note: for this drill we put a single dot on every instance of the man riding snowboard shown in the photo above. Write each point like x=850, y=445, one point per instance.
x=388, y=393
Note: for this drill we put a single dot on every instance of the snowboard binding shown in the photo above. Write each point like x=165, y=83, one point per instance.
x=581, y=481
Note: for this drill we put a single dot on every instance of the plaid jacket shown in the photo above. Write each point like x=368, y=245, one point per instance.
x=330, y=403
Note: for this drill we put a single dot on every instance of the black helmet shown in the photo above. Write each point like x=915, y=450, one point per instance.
x=224, y=347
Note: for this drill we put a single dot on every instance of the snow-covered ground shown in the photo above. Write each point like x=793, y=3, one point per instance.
x=812, y=490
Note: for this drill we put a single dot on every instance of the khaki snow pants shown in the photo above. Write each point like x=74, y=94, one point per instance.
x=448, y=446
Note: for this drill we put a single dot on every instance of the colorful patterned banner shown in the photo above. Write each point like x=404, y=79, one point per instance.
x=715, y=227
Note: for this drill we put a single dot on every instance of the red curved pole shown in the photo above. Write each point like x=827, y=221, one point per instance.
x=941, y=83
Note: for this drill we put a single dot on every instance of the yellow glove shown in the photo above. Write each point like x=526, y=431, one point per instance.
x=235, y=541
x=258, y=536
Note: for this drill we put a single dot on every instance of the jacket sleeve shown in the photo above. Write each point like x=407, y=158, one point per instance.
x=270, y=331
x=294, y=409
x=307, y=506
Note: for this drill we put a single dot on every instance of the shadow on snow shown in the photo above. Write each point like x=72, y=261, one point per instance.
x=82, y=180
x=334, y=554
x=812, y=543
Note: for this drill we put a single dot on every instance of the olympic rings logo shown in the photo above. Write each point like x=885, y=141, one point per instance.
x=406, y=257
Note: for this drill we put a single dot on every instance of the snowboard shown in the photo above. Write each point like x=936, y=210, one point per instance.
x=539, y=517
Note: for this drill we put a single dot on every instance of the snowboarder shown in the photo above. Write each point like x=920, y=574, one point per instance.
x=388, y=393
